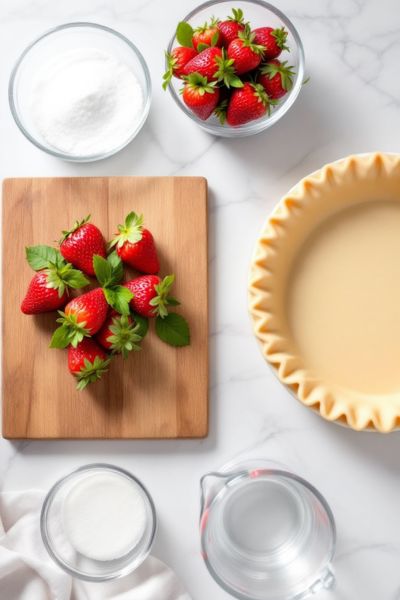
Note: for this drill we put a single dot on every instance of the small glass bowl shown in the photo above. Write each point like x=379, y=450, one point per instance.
x=59, y=40
x=59, y=546
x=260, y=14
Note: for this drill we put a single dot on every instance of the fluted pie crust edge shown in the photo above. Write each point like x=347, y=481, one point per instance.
x=337, y=186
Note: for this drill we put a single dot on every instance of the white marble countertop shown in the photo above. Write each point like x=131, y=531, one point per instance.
x=352, y=104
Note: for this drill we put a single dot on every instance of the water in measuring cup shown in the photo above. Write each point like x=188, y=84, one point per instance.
x=264, y=517
x=268, y=536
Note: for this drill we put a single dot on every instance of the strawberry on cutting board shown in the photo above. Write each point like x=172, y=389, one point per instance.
x=273, y=41
x=245, y=52
x=120, y=334
x=40, y=297
x=79, y=244
x=82, y=317
x=200, y=96
x=87, y=362
x=48, y=289
x=85, y=315
x=231, y=27
x=246, y=104
x=276, y=78
x=135, y=245
x=151, y=295
x=151, y=298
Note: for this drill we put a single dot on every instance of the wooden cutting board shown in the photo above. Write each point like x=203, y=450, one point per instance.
x=160, y=392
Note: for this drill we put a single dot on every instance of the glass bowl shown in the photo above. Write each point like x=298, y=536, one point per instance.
x=58, y=542
x=59, y=40
x=259, y=14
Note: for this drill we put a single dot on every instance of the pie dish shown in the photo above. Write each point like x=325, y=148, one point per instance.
x=325, y=291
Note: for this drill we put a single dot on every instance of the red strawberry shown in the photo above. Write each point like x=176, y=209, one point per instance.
x=119, y=334
x=81, y=243
x=230, y=28
x=207, y=35
x=87, y=362
x=246, y=104
x=178, y=58
x=83, y=316
x=151, y=295
x=200, y=96
x=214, y=66
x=205, y=64
x=40, y=297
x=272, y=40
x=90, y=308
x=48, y=290
x=244, y=52
x=276, y=78
x=135, y=245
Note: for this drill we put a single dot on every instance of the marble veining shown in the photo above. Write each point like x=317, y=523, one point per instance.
x=351, y=104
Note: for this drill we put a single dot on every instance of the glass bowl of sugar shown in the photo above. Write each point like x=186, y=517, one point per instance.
x=98, y=523
x=80, y=92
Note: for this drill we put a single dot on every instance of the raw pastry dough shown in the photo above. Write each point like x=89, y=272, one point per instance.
x=325, y=291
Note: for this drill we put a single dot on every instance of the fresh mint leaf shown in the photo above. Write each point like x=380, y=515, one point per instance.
x=61, y=337
x=75, y=279
x=114, y=259
x=173, y=330
x=171, y=301
x=122, y=297
x=142, y=325
x=117, y=268
x=39, y=257
x=184, y=34
x=118, y=297
x=109, y=296
x=103, y=270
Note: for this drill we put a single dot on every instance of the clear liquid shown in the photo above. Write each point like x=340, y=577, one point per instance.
x=267, y=537
x=263, y=517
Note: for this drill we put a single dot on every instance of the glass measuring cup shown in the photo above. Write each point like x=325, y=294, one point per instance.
x=266, y=534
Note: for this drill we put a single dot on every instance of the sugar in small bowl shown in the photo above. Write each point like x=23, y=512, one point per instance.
x=98, y=523
x=80, y=92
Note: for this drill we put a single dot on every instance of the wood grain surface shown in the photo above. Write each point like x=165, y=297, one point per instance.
x=159, y=392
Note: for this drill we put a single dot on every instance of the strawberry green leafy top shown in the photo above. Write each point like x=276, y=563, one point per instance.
x=286, y=72
x=60, y=275
x=130, y=231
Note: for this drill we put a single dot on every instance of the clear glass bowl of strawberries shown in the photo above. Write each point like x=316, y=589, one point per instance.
x=235, y=68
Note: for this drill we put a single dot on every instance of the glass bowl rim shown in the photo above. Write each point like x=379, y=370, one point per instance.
x=258, y=125
x=44, y=514
x=48, y=33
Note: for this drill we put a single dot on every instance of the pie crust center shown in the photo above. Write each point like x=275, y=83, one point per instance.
x=343, y=299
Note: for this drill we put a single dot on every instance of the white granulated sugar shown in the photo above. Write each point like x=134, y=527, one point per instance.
x=104, y=516
x=86, y=102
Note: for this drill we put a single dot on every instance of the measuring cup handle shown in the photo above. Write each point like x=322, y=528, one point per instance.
x=325, y=582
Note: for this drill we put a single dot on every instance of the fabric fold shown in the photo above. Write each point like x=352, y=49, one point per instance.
x=28, y=573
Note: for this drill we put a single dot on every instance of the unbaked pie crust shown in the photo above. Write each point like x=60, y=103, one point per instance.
x=325, y=291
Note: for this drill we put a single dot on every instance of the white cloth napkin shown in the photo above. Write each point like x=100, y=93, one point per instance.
x=28, y=573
